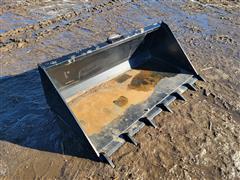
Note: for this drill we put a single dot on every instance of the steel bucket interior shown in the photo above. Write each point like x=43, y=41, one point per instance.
x=109, y=91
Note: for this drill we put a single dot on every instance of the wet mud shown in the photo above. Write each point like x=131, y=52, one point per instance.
x=200, y=140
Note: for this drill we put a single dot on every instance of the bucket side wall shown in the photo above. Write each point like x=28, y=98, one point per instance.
x=65, y=116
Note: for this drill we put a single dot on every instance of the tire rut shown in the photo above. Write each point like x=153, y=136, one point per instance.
x=20, y=37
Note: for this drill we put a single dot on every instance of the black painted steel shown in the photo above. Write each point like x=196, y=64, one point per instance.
x=153, y=48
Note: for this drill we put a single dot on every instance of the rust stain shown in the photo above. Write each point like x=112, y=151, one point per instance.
x=101, y=105
x=122, y=78
x=121, y=101
x=144, y=81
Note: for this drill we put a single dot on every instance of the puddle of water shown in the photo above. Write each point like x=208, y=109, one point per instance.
x=202, y=20
x=52, y=9
x=11, y=21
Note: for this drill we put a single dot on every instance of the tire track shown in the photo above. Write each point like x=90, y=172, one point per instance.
x=20, y=37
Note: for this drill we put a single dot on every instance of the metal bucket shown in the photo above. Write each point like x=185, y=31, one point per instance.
x=108, y=92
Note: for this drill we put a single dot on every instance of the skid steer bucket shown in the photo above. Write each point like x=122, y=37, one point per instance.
x=108, y=92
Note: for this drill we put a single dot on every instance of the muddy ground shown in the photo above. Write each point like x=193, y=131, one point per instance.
x=201, y=140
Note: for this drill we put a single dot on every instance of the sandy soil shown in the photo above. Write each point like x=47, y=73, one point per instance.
x=200, y=140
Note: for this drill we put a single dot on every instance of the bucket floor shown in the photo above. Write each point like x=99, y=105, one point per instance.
x=103, y=104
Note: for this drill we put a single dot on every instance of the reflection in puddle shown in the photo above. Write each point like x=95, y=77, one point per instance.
x=11, y=21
